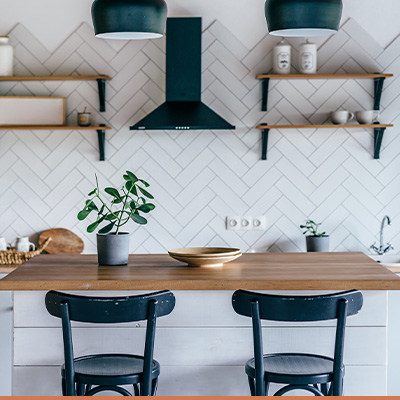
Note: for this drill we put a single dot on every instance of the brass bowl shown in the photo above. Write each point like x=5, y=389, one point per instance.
x=205, y=256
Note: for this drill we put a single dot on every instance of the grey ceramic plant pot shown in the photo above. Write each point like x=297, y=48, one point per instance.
x=317, y=244
x=113, y=249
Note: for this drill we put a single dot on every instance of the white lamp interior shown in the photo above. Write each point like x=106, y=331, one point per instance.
x=128, y=35
x=303, y=32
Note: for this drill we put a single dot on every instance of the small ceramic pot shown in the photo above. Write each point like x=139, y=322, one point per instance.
x=113, y=249
x=317, y=244
x=341, y=117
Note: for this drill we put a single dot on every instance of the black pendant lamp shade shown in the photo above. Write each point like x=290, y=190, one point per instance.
x=129, y=19
x=303, y=18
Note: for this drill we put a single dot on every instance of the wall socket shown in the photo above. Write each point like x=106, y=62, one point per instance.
x=246, y=223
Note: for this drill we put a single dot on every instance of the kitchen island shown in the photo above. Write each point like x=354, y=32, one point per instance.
x=203, y=345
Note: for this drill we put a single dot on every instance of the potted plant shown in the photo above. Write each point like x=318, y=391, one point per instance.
x=316, y=242
x=124, y=205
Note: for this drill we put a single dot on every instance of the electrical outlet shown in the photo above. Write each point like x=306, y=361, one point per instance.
x=260, y=223
x=233, y=223
x=247, y=223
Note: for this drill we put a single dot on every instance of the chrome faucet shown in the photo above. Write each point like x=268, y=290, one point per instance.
x=383, y=249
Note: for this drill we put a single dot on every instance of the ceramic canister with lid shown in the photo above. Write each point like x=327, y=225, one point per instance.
x=282, y=58
x=6, y=57
x=308, y=58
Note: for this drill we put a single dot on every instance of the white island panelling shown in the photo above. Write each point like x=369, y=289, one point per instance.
x=202, y=346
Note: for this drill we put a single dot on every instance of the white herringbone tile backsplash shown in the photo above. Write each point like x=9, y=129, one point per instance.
x=199, y=178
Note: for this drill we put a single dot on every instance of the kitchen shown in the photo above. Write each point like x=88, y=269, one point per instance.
x=203, y=179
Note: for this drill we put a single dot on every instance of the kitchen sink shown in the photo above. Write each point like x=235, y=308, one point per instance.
x=388, y=260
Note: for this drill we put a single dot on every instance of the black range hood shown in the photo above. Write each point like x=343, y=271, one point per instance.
x=183, y=109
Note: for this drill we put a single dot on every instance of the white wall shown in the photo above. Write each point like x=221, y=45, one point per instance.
x=52, y=20
x=199, y=178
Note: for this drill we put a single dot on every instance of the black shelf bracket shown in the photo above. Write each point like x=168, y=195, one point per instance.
x=101, y=134
x=265, y=90
x=378, y=137
x=264, y=143
x=101, y=83
x=378, y=87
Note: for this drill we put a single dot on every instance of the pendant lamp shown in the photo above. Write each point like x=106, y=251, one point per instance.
x=303, y=18
x=129, y=19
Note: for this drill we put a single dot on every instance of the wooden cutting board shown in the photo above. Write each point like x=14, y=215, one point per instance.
x=63, y=241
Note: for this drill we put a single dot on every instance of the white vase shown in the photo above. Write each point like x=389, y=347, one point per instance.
x=6, y=57
x=308, y=58
x=282, y=58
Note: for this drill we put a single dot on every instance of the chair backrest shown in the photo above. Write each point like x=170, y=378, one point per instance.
x=109, y=310
x=337, y=306
x=296, y=308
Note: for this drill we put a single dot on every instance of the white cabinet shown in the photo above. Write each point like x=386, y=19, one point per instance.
x=6, y=342
x=394, y=343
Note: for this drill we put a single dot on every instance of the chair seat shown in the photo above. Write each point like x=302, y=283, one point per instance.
x=111, y=369
x=294, y=368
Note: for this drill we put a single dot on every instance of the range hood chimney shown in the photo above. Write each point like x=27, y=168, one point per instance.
x=183, y=109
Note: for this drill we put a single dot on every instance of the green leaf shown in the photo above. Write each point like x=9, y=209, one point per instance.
x=126, y=177
x=139, y=219
x=133, y=205
x=130, y=186
x=102, y=209
x=92, y=227
x=146, y=208
x=107, y=228
x=132, y=177
x=144, y=182
x=112, y=217
x=92, y=192
x=146, y=193
x=91, y=206
x=116, y=201
x=113, y=192
x=83, y=214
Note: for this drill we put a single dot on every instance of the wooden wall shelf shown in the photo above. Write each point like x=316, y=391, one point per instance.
x=265, y=126
x=101, y=132
x=379, y=130
x=56, y=78
x=379, y=80
x=322, y=76
x=52, y=128
x=101, y=84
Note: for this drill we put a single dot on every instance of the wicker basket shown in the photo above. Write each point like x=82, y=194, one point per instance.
x=19, y=257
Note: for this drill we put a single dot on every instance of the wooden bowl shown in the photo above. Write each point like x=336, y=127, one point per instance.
x=205, y=256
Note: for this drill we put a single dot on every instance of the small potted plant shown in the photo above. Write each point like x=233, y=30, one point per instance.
x=124, y=205
x=316, y=242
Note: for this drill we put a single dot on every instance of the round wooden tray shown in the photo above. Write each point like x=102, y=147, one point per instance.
x=205, y=256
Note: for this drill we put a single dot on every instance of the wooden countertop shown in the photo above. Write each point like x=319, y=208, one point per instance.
x=261, y=271
x=8, y=268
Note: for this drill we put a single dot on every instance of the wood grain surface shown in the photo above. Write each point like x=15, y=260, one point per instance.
x=55, y=78
x=53, y=128
x=63, y=241
x=323, y=76
x=264, y=126
x=261, y=271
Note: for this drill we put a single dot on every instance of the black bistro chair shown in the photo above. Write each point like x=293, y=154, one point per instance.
x=320, y=375
x=91, y=374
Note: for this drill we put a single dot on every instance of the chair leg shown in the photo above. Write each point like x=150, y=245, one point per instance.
x=88, y=388
x=63, y=387
x=80, y=389
x=252, y=386
x=267, y=387
x=136, y=390
x=337, y=387
x=324, y=389
x=154, y=387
